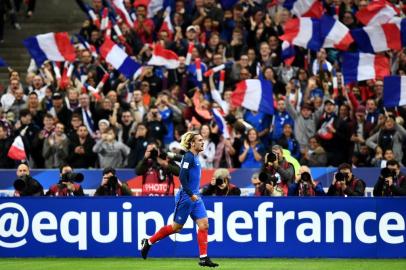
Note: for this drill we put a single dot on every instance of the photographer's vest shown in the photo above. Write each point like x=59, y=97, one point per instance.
x=155, y=183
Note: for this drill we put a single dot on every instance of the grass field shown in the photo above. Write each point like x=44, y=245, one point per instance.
x=187, y=264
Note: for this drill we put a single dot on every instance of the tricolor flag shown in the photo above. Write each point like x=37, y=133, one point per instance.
x=304, y=32
x=50, y=46
x=305, y=8
x=377, y=12
x=17, y=149
x=199, y=72
x=105, y=20
x=153, y=6
x=167, y=24
x=189, y=53
x=117, y=57
x=364, y=66
x=288, y=53
x=394, y=91
x=217, y=69
x=255, y=95
x=334, y=34
x=380, y=37
x=92, y=16
x=221, y=81
x=122, y=12
x=164, y=57
x=221, y=123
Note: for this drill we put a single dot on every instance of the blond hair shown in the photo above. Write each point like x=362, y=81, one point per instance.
x=187, y=139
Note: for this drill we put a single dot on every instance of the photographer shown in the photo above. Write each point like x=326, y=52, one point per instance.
x=66, y=185
x=111, y=186
x=267, y=185
x=391, y=182
x=304, y=185
x=25, y=185
x=220, y=185
x=157, y=170
x=276, y=164
x=345, y=183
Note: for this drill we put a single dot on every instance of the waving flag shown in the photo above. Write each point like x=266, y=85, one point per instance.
x=334, y=34
x=118, y=58
x=17, y=150
x=50, y=46
x=255, y=95
x=377, y=12
x=364, y=66
x=394, y=91
x=153, y=6
x=304, y=32
x=189, y=53
x=164, y=57
x=105, y=20
x=122, y=12
x=288, y=53
x=92, y=15
x=217, y=69
x=380, y=37
x=221, y=123
x=305, y=8
x=167, y=24
x=196, y=72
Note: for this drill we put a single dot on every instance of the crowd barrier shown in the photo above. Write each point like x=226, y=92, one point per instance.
x=240, y=177
x=331, y=227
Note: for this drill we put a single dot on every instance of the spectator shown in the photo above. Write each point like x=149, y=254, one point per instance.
x=111, y=153
x=345, y=183
x=157, y=172
x=66, y=185
x=56, y=148
x=304, y=184
x=87, y=111
x=126, y=128
x=5, y=143
x=81, y=149
x=156, y=128
x=59, y=110
x=206, y=157
x=25, y=184
x=111, y=185
x=252, y=151
x=315, y=156
x=138, y=144
x=220, y=185
x=288, y=141
x=391, y=182
x=281, y=117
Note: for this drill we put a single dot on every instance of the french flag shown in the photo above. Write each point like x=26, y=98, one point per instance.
x=50, y=46
x=92, y=15
x=17, y=149
x=364, y=66
x=379, y=37
x=334, y=34
x=122, y=11
x=288, y=53
x=221, y=81
x=377, y=12
x=255, y=95
x=118, y=58
x=303, y=32
x=153, y=6
x=394, y=91
x=189, y=53
x=305, y=8
x=105, y=20
x=217, y=69
x=167, y=24
x=221, y=123
x=164, y=57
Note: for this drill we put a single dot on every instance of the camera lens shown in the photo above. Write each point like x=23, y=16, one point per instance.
x=219, y=181
x=305, y=176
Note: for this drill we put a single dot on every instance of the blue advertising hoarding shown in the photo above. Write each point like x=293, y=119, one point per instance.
x=239, y=227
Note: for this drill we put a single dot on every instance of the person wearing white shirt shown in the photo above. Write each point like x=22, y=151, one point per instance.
x=206, y=157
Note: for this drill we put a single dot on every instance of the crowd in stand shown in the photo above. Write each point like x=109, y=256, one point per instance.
x=62, y=122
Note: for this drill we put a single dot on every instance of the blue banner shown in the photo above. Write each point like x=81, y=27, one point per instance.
x=239, y=227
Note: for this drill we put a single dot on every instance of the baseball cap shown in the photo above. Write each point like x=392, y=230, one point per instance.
x=329, y=100
x=190, y=28
x=56, y=95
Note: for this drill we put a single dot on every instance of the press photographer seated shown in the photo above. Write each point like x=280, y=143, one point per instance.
x=111, y=185
x=220, y=185
x=25, y=184
x=267, y=185
x=304, y=184
x=391, y=182
x=68, y=183
x=345, y=183
x=157, y=169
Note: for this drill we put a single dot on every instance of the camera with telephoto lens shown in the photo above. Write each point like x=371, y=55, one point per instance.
x=153, y=154
x=386, y=172
x=172, y=156
x=268, y=178
x=21, y=182
x=271, y=158
x=305, y=177
x=71, y=177
x=340, y=177
x=219, y=181
x=112, y=182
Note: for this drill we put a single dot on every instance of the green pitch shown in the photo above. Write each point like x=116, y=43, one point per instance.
x=188, y=264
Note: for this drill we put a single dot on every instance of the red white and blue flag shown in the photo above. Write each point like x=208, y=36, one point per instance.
x=122, y=12
x=164, y=57
x=303, y=32
x=305, y=8
x=17, y=149
x=364, y=66
x=255, y=95
x=117, y=57
x=50, y=46
x=377, y=12
x=221, y=123
x=167, y=23
x=288, y=53
x=394, y=91
x=381, y=37
x=334, y=34
x=153, y=6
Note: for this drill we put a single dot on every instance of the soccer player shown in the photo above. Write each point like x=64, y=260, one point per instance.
x=187, y=201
